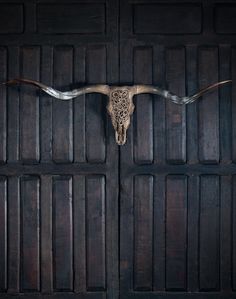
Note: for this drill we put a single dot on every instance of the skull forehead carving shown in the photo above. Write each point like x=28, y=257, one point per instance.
x=120, y=104
x=120, y=107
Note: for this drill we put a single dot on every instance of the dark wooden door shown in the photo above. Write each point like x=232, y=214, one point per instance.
x=178, y=183
x=59, y=162
x=81, y=217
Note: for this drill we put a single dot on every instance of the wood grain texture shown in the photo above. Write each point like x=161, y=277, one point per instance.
x=83, y=218
x=209, y=233
x=13, y=115
x=16, y=12
x=96, y=235
x=143, y=130
x=233, y=235
x=160, y=18
x=95, y=106
x=30, y=227
x=62, y=234
x=143, y=232
x=225, y=18
x=14, y=235
x=208, y=107
x=62, y=111
x=176, y=232
x=29, y=107
x=75, y=18
x=3, y=233
x=3, y=105
x=175, y=114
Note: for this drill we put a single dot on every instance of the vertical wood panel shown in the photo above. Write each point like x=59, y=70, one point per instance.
x=208, y=107
x=225, y=108
x=3, y=108
x=30, y=268
x=13, y=235
x=143, y=132
x=96, y=106
x=29, y=106
x=159, y=103
x=226, y=232
x=209, y=233
x=3, y=233
x=233, y=70
x=176, y=232
x=192, y=110
x=126, y=234
x=143, y=232
x=159, y=213
x=193, y=232
x=62, y=233
x=46, y=234
x=13, y=107
x=79, y=234
x=62, y=110
x=175, y=114
x=234, y=234
x=95, y=222
x=46, y=105
x=79, y=107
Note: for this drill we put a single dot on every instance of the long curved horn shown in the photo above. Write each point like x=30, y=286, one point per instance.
x=174, y=98
x=66, y=95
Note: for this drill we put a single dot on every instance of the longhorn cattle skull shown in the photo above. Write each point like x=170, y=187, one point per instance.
x=120, y=105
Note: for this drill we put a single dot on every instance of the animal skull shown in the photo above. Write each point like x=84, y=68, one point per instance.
x=120, y=105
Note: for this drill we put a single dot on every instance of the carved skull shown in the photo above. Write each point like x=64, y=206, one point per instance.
x=120, y=107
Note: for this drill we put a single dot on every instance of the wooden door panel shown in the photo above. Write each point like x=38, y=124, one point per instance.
x=59, y=160
x=177, y=174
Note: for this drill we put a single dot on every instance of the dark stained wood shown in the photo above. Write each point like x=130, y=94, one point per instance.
x=156, y=18
x=13, y=235
x=62, y=110
x=152, y=219
x=3, y=115
x=193, y=233
x=159, y=104
x=234, y=234
x=159, y=229
x=143, y=235
x=225, y=18
x=79, y=233
x=226, y=232
x=46, y=234
x=29, y=104
x=225, y=105
x=15, y=12
x=96, y=106
x=30, y=227
x=175, y=114
x=79, y=107
x=209, y=233
x=233, y=74
x=143, y=130
x=13, y=132
x=75, y=18
x=62, y=233
x=96, y=235
x=176, y=232
x=3, y=233
x=208, y=106
x=46, y=108
x=192, y=110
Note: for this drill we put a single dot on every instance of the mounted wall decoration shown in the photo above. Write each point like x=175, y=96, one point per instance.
x=120, y=105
